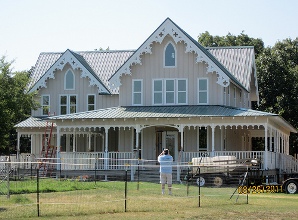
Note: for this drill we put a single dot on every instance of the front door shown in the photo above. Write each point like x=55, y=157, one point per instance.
x=170, y=141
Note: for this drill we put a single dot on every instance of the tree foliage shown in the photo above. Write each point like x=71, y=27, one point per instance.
x=242, y=39
x=15, y=102
x=278, y=83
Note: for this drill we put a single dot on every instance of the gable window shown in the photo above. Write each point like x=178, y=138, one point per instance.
x=202, y=91
x=170, y=55
x=137, y=90
x=68, y=104
x=45, y=104
x=90, y=102
x=69, y=80
x=169, y=91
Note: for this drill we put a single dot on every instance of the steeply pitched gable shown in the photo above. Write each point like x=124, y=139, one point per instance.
x=102, y=63
x=168, y=27
x=77, y=62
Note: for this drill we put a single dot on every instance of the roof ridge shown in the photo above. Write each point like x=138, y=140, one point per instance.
x=229, y=47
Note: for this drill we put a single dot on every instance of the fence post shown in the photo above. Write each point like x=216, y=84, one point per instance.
x=199, y=187
x=138, y=185
x=125, y=193
x=37, y=190
x=7, y=173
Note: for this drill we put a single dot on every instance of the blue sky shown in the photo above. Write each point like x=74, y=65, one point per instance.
x=29, y=27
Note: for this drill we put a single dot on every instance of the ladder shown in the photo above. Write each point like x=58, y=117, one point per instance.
x=48, y=152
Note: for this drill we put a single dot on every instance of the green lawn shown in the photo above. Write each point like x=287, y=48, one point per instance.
x=106, y=200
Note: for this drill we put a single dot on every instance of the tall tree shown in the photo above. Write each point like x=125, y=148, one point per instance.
x=15, y=103
x=242, y=39
x=278, y=83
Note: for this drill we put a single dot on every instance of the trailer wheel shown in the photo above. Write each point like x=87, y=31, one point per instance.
x=291, y=187
x=201, y=181
x=218, y=181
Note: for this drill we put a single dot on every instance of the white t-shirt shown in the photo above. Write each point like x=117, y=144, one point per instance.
x=165, y=163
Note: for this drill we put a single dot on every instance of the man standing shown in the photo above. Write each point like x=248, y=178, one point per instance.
x=165, y=160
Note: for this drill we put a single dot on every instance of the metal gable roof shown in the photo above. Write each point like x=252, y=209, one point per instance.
x=168, y=27
x=238, y=60
x=102, y=63
x=214, y=59
x=32, y=122
x=164, y=112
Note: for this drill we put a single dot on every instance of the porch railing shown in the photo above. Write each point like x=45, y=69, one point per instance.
x=121, y=160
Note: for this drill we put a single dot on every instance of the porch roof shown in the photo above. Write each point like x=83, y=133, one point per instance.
x=163, y=112
x=189, y=111
x=33, y=122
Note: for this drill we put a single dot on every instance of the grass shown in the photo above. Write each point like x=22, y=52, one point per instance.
x=106, y=200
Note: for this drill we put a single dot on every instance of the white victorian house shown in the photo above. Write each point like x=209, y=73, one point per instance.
x=169, y=93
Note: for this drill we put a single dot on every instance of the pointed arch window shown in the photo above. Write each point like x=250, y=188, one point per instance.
x=170, y=55
x=69, y=80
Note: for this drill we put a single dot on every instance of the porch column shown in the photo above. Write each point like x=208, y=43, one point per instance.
x=181, y=130
x=266, y=148
x=270, y=142
x=284, y=143
x=89, y=141
x=274, y=141
x=58, y=150
x=132, y=139
x=31, y=143
x=137, y=150
x=74, y=142
x=137, y=140
x=18, y=146
x=198, y=138
x=106, y=153
x=212, y=142
x=222, y=138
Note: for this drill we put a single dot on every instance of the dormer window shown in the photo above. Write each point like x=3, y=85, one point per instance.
x=170, y=55
x=69, y=80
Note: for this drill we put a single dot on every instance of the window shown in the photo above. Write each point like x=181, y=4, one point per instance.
x=69, y=81
x=157, y=92
x=225, y=96
x=45, y=104
x=68, y=104
x=90, y=102
x=182, y=90
x=169, y=91
x=137, y=87
x=240, y=97
x=235, y=101
x=229, y=98
x=203, y=91
x=170, y=55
